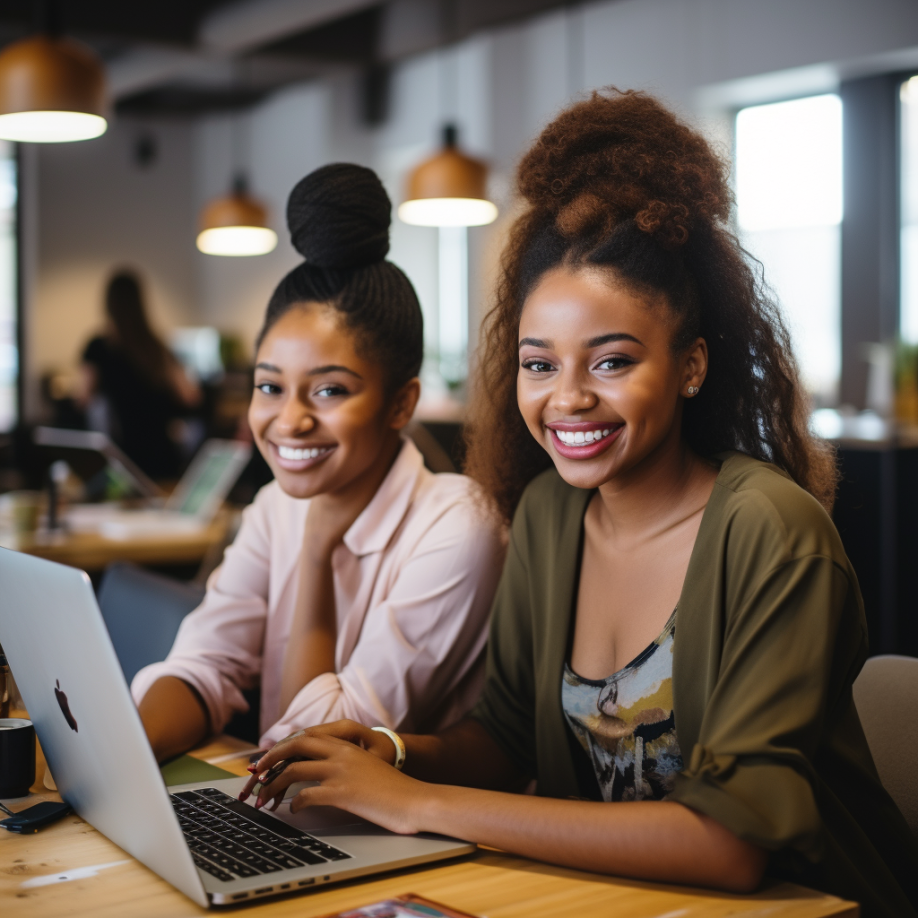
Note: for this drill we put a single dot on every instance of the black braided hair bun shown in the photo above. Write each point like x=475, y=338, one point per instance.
x=339, y=217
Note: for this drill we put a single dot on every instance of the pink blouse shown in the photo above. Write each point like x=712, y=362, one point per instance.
x=414, y=579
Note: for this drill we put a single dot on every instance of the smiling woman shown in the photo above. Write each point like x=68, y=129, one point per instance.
x=677, y=628
x=360, y=583
x=565, y=375
x=320, y=412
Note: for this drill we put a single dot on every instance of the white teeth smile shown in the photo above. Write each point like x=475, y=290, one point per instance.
x=297, y=455
x=581, y=437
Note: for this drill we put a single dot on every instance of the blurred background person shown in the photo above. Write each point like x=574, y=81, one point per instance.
x=132, y=387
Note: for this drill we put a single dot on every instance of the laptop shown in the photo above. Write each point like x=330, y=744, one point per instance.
x=198, y=837
x=189, y=509
x=91, y=453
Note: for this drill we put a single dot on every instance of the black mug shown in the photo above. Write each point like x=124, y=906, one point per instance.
x=17, y=756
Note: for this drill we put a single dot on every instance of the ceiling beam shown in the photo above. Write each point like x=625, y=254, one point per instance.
x=147, y=67
x=249, y=24
x=234, y=29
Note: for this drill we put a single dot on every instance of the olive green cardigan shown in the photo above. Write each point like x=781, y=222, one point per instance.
x=770, y=634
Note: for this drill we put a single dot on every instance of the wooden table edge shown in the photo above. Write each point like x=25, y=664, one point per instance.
x=493, y=869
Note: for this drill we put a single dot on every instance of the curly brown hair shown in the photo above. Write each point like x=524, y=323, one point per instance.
x=617, y=182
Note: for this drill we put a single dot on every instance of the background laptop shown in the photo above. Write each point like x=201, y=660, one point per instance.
x=197, y=836
x=190, y=508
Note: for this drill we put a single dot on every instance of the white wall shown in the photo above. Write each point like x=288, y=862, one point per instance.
x=277, y=144
x=96, y=210
x=501, y=86
x=303, y=128
x=684, y=49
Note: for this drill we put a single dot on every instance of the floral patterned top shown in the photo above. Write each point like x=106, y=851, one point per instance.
x=625, y=723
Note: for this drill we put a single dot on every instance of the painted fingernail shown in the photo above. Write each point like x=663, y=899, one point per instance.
x=259, y=803
x=252, y=768
x=244, y=795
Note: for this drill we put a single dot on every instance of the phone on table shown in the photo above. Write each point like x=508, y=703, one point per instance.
x=35, y=817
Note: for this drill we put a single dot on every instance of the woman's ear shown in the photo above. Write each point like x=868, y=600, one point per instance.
x=696, y=366
x=404, y=402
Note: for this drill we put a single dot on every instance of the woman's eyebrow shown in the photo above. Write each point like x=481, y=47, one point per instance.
x=333, y=368
x=316, y=371
x=600, y=340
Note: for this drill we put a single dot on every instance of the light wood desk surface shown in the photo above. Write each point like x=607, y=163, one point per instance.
x=105, y=882
x=91, y=551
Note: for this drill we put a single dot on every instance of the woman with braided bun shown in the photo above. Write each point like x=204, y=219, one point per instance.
x=677, y=628
x=360, y=583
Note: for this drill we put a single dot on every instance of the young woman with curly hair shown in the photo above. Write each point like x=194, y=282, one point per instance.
x=677, y=627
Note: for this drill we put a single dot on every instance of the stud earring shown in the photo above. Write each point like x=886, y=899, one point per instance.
x=692, y=390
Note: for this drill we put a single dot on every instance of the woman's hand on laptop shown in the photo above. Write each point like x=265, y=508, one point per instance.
x=354, y=767
x=371, y=740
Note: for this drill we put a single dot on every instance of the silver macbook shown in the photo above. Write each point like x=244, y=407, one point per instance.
x=197, y=837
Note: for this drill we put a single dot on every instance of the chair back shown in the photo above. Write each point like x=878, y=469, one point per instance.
x=142, y=611
x=886, y=697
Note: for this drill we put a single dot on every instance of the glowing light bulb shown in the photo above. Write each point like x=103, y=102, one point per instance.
x=447, y=212
x=51, y=127
x=237, y=240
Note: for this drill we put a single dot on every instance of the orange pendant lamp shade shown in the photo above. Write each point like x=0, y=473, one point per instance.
x=236, y=225
x=448, y=190
x=52, y=90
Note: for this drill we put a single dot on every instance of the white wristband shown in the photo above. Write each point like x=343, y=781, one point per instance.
x=397, y=742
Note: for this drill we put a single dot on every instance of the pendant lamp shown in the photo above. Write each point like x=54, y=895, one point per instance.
x=449, y=189
x=236, y=225
x=52, y=90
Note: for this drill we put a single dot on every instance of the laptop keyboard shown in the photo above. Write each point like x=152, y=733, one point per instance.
x=231, y=840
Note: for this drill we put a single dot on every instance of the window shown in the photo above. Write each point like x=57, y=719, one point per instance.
x=9, y=350
x=789, y=210
x=453, y=315
x=908, y=308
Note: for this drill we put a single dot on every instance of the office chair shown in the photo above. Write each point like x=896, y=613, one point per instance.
x=886, y=697
x=142, y=611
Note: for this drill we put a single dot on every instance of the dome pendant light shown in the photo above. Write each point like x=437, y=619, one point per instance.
x=448, y=190
x=52, y=89
x=236, y=225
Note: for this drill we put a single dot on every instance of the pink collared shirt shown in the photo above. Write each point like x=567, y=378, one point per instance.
x=414, y=579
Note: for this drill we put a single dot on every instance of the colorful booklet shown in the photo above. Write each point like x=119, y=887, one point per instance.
x=407, y=906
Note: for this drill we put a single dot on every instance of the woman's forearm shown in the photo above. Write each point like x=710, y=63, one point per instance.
x=173, y=716
x=349, y=766
x=648, y=840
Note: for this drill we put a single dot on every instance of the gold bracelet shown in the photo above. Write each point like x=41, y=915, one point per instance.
x=399, y=745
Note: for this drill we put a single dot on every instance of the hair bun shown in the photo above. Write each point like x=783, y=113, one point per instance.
x=622, y=156
x=339, y=217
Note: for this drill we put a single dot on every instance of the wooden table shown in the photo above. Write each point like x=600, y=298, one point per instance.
x=103, y=881
x=91, y=551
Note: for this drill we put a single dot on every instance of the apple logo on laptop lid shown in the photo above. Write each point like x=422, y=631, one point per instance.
x=65, y=706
